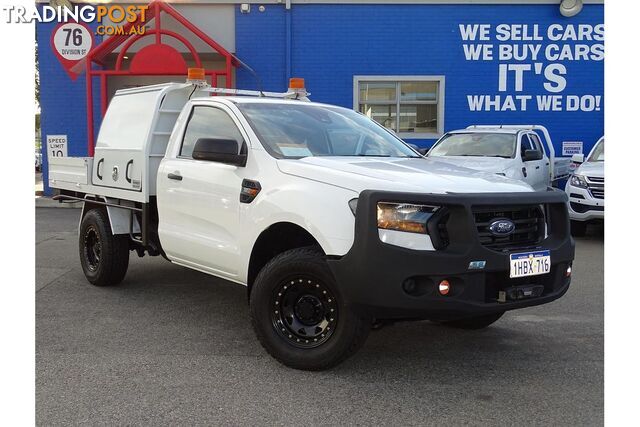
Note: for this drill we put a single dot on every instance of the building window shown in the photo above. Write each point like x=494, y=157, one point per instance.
x=411, y=106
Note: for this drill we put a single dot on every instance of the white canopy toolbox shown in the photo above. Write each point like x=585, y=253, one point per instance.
x=131, y=143
x=133, y=140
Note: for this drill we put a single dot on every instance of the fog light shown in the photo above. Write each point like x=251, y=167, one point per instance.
x=568, y=272
x=444, y=287
x=409, y=286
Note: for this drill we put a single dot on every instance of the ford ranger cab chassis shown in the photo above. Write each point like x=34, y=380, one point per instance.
x=514, y=151
x=331, y=222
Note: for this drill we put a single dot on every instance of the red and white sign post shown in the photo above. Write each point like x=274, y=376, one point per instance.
x=71, y=41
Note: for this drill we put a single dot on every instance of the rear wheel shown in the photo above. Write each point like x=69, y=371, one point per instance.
x=478, y=322
x=103, y=255
x=299, y=314
x=578, y=228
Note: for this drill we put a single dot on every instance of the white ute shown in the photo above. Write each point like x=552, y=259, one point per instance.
x=514, y=151
x=585, y=189
x=332, y=223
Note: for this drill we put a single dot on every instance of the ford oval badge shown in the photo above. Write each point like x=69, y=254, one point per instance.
x=502, y=227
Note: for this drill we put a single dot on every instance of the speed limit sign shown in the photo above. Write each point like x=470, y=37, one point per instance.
x=56, y=146
x=71, y=41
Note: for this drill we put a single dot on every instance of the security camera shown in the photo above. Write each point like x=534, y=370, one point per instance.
x=570, y=8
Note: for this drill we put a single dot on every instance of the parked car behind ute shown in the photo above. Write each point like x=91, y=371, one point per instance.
x=586, y=189
x=514, y=151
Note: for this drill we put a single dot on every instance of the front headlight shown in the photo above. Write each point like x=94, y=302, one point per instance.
x=406, y=217
x=578, y=181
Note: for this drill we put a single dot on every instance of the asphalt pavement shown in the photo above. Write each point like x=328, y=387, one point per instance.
x=171, y=346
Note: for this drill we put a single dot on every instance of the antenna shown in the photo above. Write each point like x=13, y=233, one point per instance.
x=252, y=71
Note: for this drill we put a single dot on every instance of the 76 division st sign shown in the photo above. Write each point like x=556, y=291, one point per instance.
x=71, y=42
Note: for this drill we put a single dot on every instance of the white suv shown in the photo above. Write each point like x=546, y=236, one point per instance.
x=586, y=189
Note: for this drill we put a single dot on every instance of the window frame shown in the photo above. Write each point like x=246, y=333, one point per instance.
x=192, y=110
x=524, y=135
x=534, y=143
x=535, y=138
x=398, y=80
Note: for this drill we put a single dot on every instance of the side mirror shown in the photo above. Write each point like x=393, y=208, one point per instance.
x=220, y=150
x=577, y=158
x=530, y=155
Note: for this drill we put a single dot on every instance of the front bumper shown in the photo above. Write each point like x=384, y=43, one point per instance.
x=583, y=206
x=373, y=275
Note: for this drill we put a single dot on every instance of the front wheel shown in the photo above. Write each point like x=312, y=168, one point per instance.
x=299, y=315
x=103, y=255
x=478, y=322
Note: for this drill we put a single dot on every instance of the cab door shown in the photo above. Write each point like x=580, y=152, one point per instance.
x=544, y=162
x=199, y=200
x=532, y=170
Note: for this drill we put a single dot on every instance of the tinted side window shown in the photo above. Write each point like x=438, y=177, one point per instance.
x=208, y=122
x=525, y=144
x=535, y=139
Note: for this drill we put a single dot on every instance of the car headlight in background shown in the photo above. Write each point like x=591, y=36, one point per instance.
x=578, y=181
x=407, y=217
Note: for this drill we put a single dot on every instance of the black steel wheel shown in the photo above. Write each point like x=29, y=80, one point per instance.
x=304, y=311
x=104, y=256
x=92, y=248
x=299, y=315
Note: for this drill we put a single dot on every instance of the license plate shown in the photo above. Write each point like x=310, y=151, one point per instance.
x=530, y=264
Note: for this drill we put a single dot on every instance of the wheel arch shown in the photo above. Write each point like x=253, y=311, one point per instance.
x=275, y=239
x=119, y=219
x=88, y=205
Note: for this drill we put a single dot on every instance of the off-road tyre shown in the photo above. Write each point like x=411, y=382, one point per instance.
x=299, y=314
x=103, y=255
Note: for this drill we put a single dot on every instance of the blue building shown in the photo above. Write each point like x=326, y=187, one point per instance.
x=418, y=67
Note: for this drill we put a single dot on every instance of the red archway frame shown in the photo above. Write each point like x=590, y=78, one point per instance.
x=156, y=59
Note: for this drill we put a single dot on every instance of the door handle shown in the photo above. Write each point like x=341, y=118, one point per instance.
x=524, y=172
x=175, y=176
x=537, y=167
x=98, y=174
x=126, y=171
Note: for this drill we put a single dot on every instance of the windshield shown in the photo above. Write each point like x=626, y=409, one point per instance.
x=297, y=130
x=597, y=155
x=476, y=145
